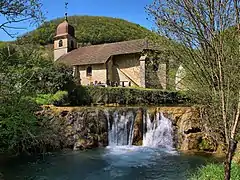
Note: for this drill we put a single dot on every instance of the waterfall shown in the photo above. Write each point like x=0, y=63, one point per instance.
x=120, y=128
x=159, y=132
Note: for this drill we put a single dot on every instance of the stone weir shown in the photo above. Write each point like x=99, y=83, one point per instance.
x=89, y=127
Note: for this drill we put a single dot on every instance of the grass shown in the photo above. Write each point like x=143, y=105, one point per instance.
x=215, y=172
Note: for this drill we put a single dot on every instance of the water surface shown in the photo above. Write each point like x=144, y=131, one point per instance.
x=117, y=163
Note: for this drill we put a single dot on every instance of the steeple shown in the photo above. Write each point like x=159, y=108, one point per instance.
x=65, y=40
x=66, y=9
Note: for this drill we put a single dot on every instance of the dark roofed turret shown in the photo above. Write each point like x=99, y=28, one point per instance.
x=65, y=28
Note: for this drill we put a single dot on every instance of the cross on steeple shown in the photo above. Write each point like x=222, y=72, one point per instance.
x=66, y=8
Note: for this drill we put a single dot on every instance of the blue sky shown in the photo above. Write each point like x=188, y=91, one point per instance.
x=131, y=10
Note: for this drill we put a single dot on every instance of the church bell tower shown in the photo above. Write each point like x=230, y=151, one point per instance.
x=65, y=40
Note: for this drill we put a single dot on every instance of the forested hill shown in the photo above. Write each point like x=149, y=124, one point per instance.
x=89, y=30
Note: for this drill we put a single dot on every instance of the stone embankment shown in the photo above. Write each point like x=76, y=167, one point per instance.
x=81, y=128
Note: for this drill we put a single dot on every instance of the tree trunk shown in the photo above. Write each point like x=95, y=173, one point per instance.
x=231, y=149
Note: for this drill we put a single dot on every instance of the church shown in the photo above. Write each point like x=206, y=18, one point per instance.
x=123, y=64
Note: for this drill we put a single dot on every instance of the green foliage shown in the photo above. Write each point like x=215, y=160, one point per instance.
x=18, y=125
x=89, y=30
x=123, y=96
x=24, y=66
x=79, y=96
x=216, y=172
x=24, y=73
x=43, y=99
x=59, y=98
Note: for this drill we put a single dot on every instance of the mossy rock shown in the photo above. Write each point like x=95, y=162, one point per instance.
x=207, y=144
x=139, y=143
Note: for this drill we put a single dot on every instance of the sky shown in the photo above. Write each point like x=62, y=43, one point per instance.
x=130, y=10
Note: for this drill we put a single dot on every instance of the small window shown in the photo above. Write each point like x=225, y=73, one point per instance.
x=89, y=71
x=60, y=43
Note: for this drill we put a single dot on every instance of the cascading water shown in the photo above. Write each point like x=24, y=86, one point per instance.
x=159, y=132
x=120, y=128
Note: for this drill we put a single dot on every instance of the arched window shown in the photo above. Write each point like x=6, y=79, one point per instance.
x=89, y=71
x=60, y=43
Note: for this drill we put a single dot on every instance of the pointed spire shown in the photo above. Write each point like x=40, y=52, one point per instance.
x=66, y=9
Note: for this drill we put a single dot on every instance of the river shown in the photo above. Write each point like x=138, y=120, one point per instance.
x=111, y=163
x=156, y=159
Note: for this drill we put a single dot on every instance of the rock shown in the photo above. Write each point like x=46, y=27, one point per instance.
x=208, y=144
x=191, y=142
x=83, y=128
x=138, y=128
x=80, y=145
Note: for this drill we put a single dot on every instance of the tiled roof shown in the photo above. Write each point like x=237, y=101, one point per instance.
x=98, y=54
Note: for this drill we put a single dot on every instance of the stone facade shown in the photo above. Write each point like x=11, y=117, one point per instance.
x=117, y=64
x=99, y=74
x=156, y=73
x=125, y=69
x=68, y=43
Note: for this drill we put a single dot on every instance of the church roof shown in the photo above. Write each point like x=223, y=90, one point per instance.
x=99, y=54
x=65, y=28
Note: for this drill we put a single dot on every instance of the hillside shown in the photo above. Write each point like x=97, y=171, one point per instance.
x=89, y=30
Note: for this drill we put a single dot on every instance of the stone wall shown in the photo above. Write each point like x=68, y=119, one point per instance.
x=126, y=68
x=82, y=128
x=99, y=73
x=191, y=132
x=156, y=73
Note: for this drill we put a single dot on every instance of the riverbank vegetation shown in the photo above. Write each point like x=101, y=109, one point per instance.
x=24, y=75
x=216, y=172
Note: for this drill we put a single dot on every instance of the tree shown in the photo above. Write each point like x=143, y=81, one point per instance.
x=89, y=30
x=24, y=74
x=208, y=33
x=15, y=11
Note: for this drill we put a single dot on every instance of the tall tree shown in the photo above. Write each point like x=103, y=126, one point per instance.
x=209, y=34
x=16, y=11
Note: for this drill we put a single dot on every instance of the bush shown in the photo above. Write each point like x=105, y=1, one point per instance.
x=57, y=99
x=215, y=172
x=19, y=129
x=79, y=95
x=124, y=96
x=43, y=99
x=60, y=98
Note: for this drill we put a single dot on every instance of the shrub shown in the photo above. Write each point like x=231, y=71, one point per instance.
x=43, y=99
x=79, y=95
x=215, y=172
x=60, y=98
x=82, y=95
x=19, y=129
x=57, y=99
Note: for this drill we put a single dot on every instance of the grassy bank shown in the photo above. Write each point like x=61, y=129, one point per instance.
x=215, y=172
